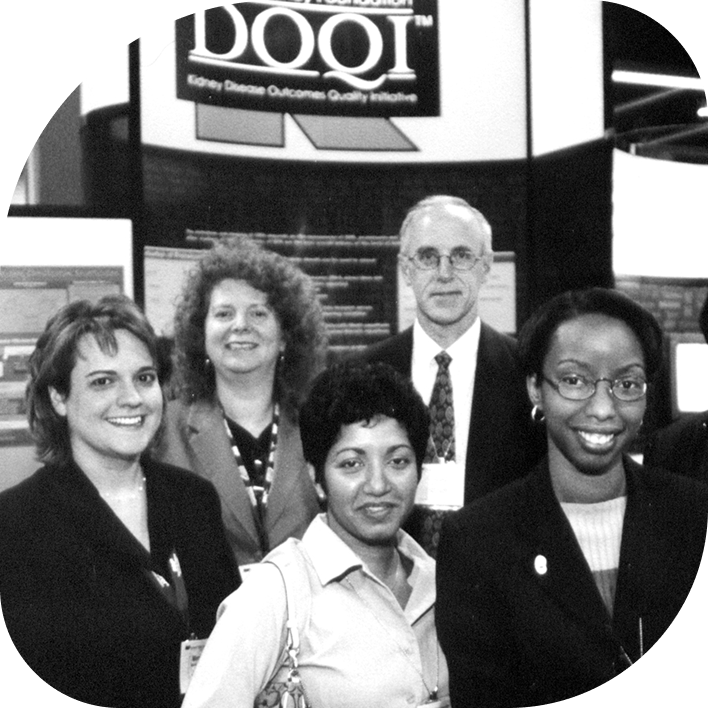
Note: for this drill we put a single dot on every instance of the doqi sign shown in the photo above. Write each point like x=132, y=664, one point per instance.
x=331, y=57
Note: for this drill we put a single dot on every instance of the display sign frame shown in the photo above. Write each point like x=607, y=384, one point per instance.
x=347, y=58
x=47, y=263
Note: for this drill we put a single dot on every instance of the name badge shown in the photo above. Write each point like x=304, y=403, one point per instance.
x=190, y=653
x=441, y=484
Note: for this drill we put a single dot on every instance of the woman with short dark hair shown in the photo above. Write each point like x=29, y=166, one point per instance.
x=361, y=591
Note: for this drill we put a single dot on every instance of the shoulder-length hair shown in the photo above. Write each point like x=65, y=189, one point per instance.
x=537, y=333
x=290, y=293
x=55, y=355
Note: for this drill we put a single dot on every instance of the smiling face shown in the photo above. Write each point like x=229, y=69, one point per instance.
x=114, y=405
x=371, y=479
x=586, y=439
x=242, y=334
x=446, y=299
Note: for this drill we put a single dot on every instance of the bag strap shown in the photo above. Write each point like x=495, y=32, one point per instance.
x=294, y=608
x=292, y=645
x=292, y=632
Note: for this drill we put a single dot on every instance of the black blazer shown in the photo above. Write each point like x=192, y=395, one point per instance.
x=681, y=447
x=75, y=593
x=514, y=636
x=503, y=444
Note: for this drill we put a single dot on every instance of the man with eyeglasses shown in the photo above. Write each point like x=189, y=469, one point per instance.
x=481, y=432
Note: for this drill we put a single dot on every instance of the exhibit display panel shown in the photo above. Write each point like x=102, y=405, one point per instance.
x=337, y=82
x=659, y=221
x=48, y=263
x=689, y=374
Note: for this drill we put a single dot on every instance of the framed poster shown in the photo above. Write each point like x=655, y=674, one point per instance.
x=46, y=264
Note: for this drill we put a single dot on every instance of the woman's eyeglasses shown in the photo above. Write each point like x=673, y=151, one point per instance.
x=577, y=388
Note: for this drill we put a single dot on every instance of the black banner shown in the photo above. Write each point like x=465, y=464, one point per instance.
x=325, y=57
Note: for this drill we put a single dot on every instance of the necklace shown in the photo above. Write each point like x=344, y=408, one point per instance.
x=126, y=495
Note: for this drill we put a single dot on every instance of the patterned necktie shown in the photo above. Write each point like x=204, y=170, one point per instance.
x=426, y=521
x=442, y=415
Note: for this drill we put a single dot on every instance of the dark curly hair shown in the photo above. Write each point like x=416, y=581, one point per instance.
x=353, y=391
x=290, y=293
x=54, y=358
x=536, y=334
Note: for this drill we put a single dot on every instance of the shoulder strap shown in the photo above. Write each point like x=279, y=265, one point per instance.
x=286, y=690
x=297, y=596
x=292, y=631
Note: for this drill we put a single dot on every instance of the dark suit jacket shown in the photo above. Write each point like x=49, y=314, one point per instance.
x=503, y=444
x=681, y=447
x=194, y=437
x=514, y=636
x=75, y=593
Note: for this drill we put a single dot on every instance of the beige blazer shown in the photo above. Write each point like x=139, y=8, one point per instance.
x=195, y=438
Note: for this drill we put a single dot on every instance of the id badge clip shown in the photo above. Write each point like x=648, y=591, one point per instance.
x=189, y=655
x=441, y=485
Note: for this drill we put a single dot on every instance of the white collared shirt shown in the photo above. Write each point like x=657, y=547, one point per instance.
x=359, y=648
x=463, y=367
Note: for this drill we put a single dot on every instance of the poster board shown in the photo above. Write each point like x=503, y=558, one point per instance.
x=689, y=373
x=202, y=95
x=354, y=277
x=46, y=264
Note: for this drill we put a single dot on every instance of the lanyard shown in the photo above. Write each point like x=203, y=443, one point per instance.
x=258, y=495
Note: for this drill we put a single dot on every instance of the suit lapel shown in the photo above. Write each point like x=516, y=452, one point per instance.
x=483, y=392
x=489, y=391
x=645, y=577
x=210, y=443
x=555, y=559
x=289, y=448
x=93, y=518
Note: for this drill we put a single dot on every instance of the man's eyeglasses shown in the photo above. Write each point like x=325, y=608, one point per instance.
x=429, y=259
x=577, y=388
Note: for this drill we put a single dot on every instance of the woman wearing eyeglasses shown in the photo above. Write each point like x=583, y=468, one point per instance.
x=556, y=583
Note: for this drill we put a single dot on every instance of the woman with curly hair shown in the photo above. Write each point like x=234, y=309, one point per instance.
x=249, y=338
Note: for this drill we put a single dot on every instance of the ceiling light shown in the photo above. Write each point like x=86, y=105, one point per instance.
x=645, y=79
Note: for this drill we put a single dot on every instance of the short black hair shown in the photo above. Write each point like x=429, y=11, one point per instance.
x=537, y=332
x=353, y=391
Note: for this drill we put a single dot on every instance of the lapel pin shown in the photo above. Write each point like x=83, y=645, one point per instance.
x=540, y=565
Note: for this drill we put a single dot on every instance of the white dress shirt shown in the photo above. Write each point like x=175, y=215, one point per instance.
x=358, y=647
x=463, y=367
